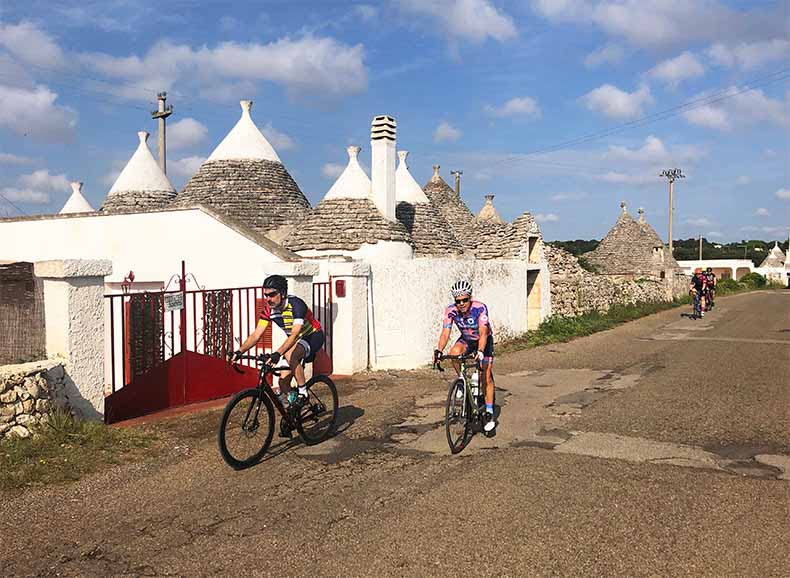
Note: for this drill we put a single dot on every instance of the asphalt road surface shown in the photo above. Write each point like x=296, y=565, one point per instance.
x=657, y=448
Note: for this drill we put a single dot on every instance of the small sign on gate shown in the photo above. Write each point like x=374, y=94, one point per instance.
x=174, y=301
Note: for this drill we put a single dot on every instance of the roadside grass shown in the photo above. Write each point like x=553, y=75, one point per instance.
x=65, y=449
x=557, y=329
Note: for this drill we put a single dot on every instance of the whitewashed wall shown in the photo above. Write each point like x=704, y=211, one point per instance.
x=409, y=298
x=150, y=244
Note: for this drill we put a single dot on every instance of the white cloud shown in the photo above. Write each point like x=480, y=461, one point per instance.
x=714, y=234
x=653, y=152
x=667, y=22
x=608, y=54
x=42, y=180
x=332, y=170
x=475, y=20
x=185, y=133
x=675, y=70
x=446, y=132
x=365, y=12
x=699, y=222
x=561, y=197
x=619, y=178
x=9, y=159
x=31, y=45
x=615, y=103
x=761, y=212
x=111, y=176
x=547, y=218
x=741, y=109
x=783, y=194
x=33, y=113
x=743, y=180
x=26, y=196
x=279, y=140
x=519, y=106
x=184, y=168
x=306, y=65
x=749, y=55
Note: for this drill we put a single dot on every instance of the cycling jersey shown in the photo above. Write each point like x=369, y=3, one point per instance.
x=468, y=324
x=292, y=311
x=698, y=282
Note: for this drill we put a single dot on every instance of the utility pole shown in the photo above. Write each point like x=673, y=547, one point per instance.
x=700, y=247
x=162, y=113
x=457, y=175
x=671, y=174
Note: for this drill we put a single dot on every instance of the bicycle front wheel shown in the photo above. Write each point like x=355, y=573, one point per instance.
x=317, y=415
x=457, y=416
x=246, y=429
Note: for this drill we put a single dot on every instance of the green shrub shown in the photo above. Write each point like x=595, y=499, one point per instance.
x=587, y=266
x=727, y=286
x=753, y=280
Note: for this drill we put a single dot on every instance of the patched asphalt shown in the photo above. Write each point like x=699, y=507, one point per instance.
x=660, y=447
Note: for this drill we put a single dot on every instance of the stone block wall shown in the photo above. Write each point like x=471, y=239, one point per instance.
x=575, y=291
x=28, y=392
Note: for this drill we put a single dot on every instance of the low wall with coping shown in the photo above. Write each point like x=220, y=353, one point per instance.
x=28, y=392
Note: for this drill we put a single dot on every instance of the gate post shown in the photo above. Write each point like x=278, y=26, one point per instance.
x=182, y=286
x=350, y=317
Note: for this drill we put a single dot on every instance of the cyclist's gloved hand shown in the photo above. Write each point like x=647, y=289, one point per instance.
x=479, y=356
x=235, y=356
x=437, y=355
x=275, y=357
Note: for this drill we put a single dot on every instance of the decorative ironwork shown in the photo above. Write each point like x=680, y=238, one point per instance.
x=217, y=322
x=146, y=329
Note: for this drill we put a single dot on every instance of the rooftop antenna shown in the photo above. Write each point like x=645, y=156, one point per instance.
x=162, y=113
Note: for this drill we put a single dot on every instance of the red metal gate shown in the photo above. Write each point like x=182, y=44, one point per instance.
x=322, y=310
x=169, y=348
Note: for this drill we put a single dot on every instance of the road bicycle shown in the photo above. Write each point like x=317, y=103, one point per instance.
x=697, y=303
x=247, y=425
x=465, y=407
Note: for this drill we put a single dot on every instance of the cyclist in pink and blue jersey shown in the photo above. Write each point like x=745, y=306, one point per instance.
x=471, y=318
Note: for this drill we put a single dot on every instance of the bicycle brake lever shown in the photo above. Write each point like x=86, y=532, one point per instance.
x=236, y=368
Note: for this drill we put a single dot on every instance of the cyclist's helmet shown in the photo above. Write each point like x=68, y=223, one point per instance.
x=462, y=287
x=697, y=271
x=277, y=282
x=710, y=269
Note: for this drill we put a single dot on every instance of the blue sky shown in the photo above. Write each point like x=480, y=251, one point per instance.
x=505, y=91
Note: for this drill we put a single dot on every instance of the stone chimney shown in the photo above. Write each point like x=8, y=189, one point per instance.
x=457, y=175
x=382, y=147
x=641, y=215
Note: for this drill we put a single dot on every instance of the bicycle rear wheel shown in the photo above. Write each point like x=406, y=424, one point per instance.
x=317, y=415
x=245, y=432
x=457, y=416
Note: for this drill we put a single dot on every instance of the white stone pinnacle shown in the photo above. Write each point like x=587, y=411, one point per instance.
x=353, y=182
x=406, y=188
x=245, y=141
x=142, y=172
x=76, y=203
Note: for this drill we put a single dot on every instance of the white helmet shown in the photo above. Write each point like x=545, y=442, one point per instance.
x=462, y=287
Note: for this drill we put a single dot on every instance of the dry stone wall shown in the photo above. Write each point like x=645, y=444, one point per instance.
x=575, y=291
x=28, y=392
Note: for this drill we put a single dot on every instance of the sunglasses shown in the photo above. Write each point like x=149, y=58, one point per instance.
x=270, y=295
x=462, y=301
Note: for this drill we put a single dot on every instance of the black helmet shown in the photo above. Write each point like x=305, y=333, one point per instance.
x=710, y=269
x=276, y=282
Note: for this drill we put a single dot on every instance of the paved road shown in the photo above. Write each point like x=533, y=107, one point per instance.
x=658, y=448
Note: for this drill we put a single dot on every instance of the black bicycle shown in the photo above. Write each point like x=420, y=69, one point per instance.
x=465, y=406
x=247, y=425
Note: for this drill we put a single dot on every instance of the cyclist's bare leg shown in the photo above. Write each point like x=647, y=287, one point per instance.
x=487, y=375
x=294, y=358
x=457, y=349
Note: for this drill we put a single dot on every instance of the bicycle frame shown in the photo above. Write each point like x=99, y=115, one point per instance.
x=265, y=387
x=467, y=365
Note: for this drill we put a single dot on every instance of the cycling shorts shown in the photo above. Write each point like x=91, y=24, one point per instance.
x=471, y=347
x=311, y=344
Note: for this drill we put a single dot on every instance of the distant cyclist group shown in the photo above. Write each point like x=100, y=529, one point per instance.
x=703, y=291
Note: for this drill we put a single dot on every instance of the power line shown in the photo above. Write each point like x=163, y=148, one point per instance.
x=7, y=200
x=709, y=99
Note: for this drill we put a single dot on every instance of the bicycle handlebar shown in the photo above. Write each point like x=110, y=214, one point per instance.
x=437, y=364
x=262, y=359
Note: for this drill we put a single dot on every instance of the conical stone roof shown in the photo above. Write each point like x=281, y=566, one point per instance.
x=631, y=248
x=245, y=179
x=346, y=218
x=429, y=230
x=452, y=208
x=77, y=203
x=775, y=258
x=141, y=185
